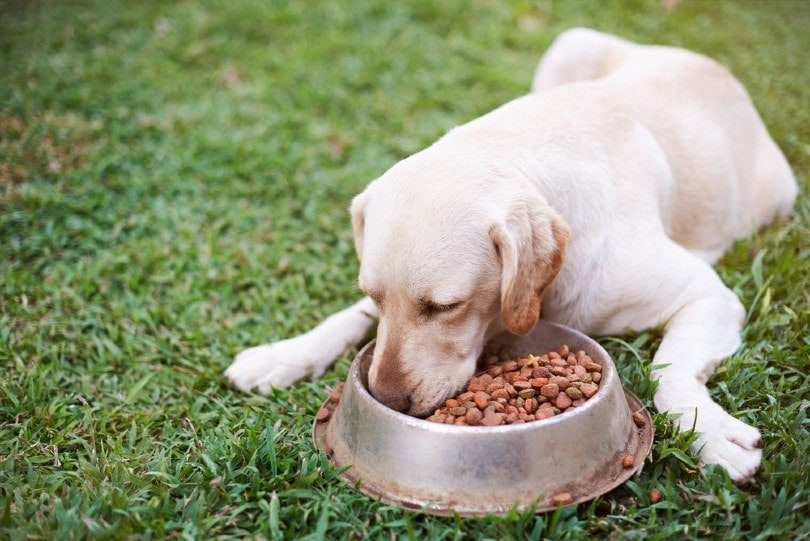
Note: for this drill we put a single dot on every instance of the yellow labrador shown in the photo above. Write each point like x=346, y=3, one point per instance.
x=600, y=199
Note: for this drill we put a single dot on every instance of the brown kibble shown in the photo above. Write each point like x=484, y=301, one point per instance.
x=588, y=389
x=334, y=396
x=537, y=383
x=323, y=414
x=543, y=413
x=628, y=461
x=497, y=407
x=654, y=495
x=549, y=390
x=564, y=498
x=474, y=416
x=561, y=382
x=558, y=362
x=563, y=401
x=510, y=390
x=596, y=377
x=495, y=371
x=522, y=390
x=541, y=372
x=481, y=400
x=494, y=386
x=558, y=371
x=493, y=419
x=638, y=418
x=510, y=366
x=520, y=385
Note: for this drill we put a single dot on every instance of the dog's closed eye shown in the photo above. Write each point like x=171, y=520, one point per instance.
x=430, y=308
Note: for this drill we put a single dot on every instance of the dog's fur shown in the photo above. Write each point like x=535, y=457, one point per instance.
x=603, y=196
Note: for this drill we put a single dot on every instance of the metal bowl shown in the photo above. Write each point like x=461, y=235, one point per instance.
x=445, y=469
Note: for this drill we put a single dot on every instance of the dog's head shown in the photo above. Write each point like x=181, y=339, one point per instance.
x=450, y=261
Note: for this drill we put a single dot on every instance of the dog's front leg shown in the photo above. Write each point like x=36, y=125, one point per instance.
x=696, y=339
x=282, y=363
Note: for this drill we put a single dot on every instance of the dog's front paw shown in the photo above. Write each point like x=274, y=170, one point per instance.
x=732, y=444
x=263, y=367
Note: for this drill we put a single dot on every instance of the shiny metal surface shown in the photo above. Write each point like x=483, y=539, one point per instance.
x=442, y=469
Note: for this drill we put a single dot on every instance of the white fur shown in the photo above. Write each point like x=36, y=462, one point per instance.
x=652, y=158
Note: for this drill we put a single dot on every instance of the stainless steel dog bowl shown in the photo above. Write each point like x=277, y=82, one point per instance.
x=444, y=469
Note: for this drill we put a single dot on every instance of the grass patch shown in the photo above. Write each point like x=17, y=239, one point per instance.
x=174, y=180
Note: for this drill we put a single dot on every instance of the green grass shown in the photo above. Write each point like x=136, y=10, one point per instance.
x=174, y=180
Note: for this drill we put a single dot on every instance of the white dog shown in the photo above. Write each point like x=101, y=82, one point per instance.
x=602, y=197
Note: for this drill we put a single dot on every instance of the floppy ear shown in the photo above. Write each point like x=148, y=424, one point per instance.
x=530, y=244
x=358, y=212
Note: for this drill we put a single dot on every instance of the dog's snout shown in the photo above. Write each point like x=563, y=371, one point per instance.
x=396, y=400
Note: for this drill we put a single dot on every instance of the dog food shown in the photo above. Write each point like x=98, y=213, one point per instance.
x=521, y=390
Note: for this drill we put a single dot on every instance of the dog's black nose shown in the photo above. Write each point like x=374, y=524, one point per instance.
x=397, y=401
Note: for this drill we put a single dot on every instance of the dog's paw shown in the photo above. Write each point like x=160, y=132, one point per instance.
x=276, y=365
x=732, y=444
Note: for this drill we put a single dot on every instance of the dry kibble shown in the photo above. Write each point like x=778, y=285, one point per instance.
x=543, y=413
x=564, y=498
x=493, y=419
x=525, y=389
x=573, y=393
x=588, y=389
x=550, y=390
x=638, y=418
x=628, y=461
x=655, y=495
x=561, y=382
x=323, y=414
x=527, y=393
x=563, y=402
x=473, y=416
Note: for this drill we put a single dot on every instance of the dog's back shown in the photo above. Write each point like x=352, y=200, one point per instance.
x=695, y=108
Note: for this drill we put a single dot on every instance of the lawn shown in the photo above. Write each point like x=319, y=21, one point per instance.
x=174, y=179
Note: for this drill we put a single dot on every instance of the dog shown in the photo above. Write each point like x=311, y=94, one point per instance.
x=599, y=200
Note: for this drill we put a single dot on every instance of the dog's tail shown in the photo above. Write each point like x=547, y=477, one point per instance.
x=579, y=54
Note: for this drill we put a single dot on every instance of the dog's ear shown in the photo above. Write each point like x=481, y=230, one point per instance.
x=530, y=244
x=358, y=212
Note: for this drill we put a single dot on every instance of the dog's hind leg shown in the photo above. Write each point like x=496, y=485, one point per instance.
x=282, y=363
